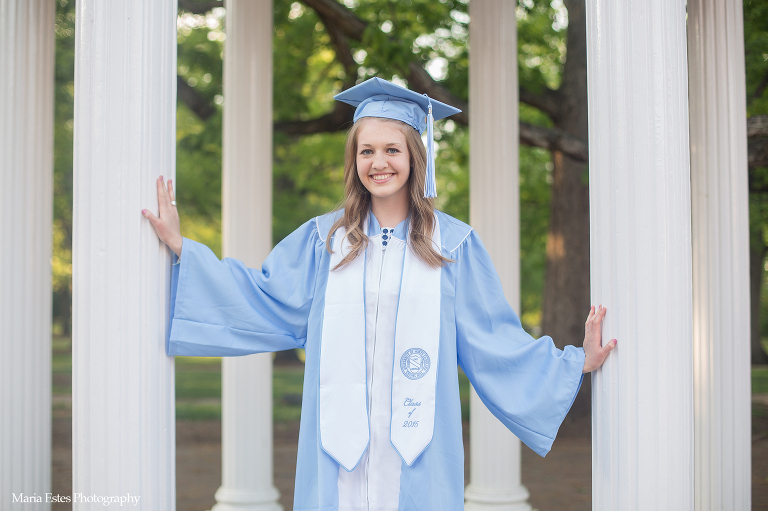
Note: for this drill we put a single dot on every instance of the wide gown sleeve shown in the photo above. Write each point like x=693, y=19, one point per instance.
x=528, y=384
x=222, y=308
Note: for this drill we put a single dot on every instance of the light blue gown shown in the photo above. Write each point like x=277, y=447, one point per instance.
x=222, y=308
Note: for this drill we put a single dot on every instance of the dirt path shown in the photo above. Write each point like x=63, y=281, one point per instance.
x=560, y=482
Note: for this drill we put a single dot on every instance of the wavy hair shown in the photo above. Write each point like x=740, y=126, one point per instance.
x=357, y=201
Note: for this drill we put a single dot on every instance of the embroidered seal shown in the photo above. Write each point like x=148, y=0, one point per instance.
x=414, y=363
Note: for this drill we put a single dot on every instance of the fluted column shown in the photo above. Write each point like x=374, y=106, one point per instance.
x=495, y=213
x=720, y=230
x=640, y=221
x=247, y=482
x=123, y=425
x=26, y=216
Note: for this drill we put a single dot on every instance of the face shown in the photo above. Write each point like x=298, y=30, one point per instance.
x=383, y=160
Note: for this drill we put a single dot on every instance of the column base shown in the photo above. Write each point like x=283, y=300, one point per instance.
x=516, y=499
x=228, y=499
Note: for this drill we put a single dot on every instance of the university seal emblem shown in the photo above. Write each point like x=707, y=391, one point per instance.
x=414, y=363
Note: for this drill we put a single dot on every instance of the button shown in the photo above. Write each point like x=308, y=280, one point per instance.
x=384, y=243
x=385, y=237
x=386, y=231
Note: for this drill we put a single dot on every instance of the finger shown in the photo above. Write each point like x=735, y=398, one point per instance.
x=152, y=218
x=170, y=190
x=159, y=184
x=609, y=347
x=166, y=201
x=591, y=313
x=160, y=195
x=598, y=319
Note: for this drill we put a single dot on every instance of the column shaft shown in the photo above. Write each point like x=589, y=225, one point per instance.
x=247, y=482
x=720, y=230
x=125, y=137
x=26, y=216
x=640, y=220
x=495, y=215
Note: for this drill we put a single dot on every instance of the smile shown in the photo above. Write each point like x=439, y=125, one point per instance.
x=382, y=177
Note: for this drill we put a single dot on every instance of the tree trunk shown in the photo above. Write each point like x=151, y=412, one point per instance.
x=566, y=284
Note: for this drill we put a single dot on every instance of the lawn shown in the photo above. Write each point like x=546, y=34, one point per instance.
x=198, y=386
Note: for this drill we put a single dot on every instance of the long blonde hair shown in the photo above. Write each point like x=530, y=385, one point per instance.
x=357, y=201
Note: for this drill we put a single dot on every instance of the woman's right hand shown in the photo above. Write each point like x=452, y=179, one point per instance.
x=167, y=227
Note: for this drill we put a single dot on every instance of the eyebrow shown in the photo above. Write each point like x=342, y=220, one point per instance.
x=389, y=144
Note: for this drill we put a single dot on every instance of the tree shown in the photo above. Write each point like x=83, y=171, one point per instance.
x=756, y=63
x=384, y=39
x=323, y=46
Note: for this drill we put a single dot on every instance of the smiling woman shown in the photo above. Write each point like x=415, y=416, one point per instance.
x=384, y=294
x=384, y=165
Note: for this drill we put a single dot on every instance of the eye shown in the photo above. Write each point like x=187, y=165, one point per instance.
x=393, y=150
x=366, y=151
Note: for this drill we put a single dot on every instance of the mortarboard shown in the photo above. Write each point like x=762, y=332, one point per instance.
x=380, y=98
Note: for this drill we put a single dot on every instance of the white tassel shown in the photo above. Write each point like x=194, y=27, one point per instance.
x=430, y=185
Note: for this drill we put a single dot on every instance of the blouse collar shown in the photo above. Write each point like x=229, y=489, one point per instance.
x=374, y=228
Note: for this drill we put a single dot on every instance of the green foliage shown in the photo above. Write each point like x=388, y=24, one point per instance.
x=305, y=72
x=308, y=171
x=308, y=179
x=422, y=30
x=756, y=53
x=198, y=143
x=756, y=67
x=452, y=164
x=759, y=380
x=541, y=43
x=63, y=130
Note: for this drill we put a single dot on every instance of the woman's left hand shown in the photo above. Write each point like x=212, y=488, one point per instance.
x=595, y=353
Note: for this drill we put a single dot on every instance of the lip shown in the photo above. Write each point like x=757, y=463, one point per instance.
x=383, y=180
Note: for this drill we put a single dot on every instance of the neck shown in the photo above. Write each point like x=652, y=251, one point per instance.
x=389, y=213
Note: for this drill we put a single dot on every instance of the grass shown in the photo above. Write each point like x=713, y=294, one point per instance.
x=760, y=380
x=464, y=395
x=198, y=386
x=198, y=390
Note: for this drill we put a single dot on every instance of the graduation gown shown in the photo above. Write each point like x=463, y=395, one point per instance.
x=222, y=308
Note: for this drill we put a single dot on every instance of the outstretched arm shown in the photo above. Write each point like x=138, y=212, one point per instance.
x=223, y=308
x=167, y=227
x=528, y=384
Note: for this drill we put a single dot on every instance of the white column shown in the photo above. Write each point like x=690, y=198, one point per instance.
x=247, y=482
x=495, y=214
x=720, y=230
x=123, y=424
x=640, y=220
x=26, y=216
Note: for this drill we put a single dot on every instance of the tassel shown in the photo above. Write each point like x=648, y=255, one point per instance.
x=430, y=186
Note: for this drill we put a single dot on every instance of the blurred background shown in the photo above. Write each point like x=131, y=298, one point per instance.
x=422, y=44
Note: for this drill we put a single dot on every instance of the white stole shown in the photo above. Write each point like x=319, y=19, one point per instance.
x=344, y=428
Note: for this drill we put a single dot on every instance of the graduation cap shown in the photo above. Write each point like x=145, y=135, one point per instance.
x=380, y=98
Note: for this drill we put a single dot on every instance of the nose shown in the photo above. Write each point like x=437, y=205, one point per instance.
x=379, y=162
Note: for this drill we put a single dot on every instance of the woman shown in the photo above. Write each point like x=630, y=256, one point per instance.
x=385, y=295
